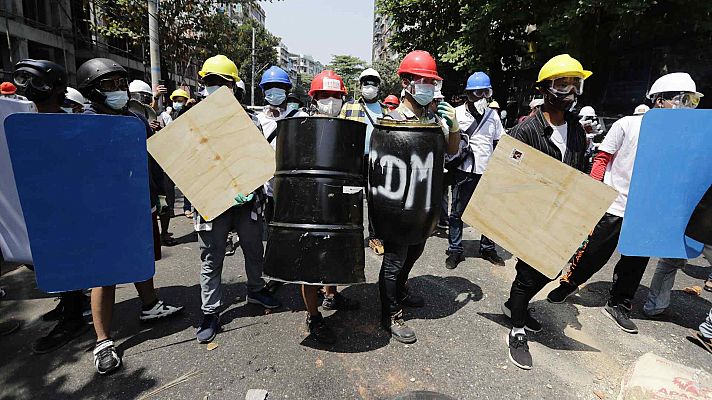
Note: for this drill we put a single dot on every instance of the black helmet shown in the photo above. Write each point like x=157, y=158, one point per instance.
x=38, y=78
x=94, y=69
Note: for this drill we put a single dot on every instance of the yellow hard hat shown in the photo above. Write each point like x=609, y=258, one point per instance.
x=562, y=65
x=179, y=93
x=219, y=65
x=494, y=104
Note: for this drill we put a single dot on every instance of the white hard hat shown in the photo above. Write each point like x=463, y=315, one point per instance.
x=74, y=95
x=139, y=86
x=241, y=85
x=641, y=109
x=536, y=103
x=369, y=72
x=674, y=82
x=438, y=95
x=587, y=111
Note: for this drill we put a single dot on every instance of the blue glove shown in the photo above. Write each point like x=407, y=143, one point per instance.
x=241, y=199
x=447, y=112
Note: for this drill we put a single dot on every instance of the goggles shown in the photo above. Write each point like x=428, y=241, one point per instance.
x=566, y=84
x=144, y=98
x=428, y=81
x=684, y=100
x=25, y=78
x=113, y=85
x=482, y=93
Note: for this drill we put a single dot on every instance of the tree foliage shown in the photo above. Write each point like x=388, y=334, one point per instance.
x=349, y=68
x=390, y=82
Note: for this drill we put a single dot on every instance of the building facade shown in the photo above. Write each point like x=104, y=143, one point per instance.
x=382, y=31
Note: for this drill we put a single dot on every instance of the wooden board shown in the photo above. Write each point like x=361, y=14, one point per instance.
x=536, y=207
x=213, y=152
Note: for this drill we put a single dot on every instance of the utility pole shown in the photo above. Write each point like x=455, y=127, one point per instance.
x=252, y=84
x=154, y=49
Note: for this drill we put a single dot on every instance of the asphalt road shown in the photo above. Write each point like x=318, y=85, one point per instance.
x=461, y=349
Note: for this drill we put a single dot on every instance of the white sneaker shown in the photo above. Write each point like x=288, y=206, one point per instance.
x=160, y=310
x=106, y=359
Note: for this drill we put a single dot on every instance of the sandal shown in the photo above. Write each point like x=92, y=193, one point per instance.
x=188, y=214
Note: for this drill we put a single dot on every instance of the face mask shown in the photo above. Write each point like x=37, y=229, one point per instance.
x=481, y=105
x=562, y=102
x=423, y=93
x=211, y=89
x=275, y=96
x=292, y=106
x=116, y=100
x=177, y=106
x=33, y=94
x=329, y=106
x=369, y=92
x=68, y=110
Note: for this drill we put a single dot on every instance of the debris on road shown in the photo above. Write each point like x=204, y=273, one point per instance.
x=212, y=346
x=256, y=394
x=181, y=379
x=693, y=290
x=655, y=377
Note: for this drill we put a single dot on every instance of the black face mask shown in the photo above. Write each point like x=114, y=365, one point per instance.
x=33, y=94
x=562, y=102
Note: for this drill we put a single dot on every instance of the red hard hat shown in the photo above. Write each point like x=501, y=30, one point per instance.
x=391, y=99
x=327, y=81
x=7, y=88
x=421, y=63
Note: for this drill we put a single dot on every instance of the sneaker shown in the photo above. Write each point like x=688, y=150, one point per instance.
x=319, y=330
x=453, y=260
x=339, y=302
x=230, y=247
x=620, y=314
x=399, y=330
x=376, y=245
x=442, y=225
x=412, y=300
x=159, y=310
x=708, y=285
x=561, y=293
x=9, y=327
x=273, y=286
x=661, y=316
x=167, y=240
x=493, y=257
x=530, y=324
x=106, y=359
x=519, y=351
x=263, y=298
x=208, y=328
x=698, y=337
x=61, y=334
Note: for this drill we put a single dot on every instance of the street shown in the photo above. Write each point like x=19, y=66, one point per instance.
x=461, y=349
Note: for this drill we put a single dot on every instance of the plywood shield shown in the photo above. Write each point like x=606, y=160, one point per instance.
x=213, y=152
x=536, y=207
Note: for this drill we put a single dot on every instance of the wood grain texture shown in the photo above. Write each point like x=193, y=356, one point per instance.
x=536, y=207
x=213, y=152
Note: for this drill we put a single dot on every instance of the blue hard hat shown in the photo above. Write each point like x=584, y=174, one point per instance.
x=478, y=80
x=274, y=74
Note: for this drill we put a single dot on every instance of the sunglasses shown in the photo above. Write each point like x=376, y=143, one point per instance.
x=113, y=85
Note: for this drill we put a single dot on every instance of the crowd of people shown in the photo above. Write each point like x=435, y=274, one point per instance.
x=471, y=131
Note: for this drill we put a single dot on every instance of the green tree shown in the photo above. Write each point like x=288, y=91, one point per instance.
x=390, y=82
x=349, y=68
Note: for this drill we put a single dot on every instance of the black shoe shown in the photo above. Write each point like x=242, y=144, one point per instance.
x=106, y=359
x=208, y=328
x=319, y=330
x=492, y=257
x=561, y=293
x=412, y=300
x=530, y=324
x=620, y=314
x=519, y=351
x=61, y=334
x=273, y=286
x=399, y=330
x=54, y=314
x=9, y=327
x=453, y=260
x=339, y=302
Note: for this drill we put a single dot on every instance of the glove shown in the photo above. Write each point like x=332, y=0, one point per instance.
x=241, y=199
x=447, y=112
x=162, y=205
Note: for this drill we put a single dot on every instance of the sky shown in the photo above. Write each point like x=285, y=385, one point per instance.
x=322, y=28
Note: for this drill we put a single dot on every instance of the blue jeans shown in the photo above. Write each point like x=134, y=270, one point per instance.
x=463, y=187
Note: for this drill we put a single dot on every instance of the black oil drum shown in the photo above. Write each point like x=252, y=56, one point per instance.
x=316, y=235
x=405, y=179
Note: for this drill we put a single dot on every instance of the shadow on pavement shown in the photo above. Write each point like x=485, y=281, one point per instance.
x=191, y=237
x=472, y=250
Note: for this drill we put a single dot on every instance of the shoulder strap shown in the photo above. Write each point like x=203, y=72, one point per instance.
x=291, y=113
x=473, y=128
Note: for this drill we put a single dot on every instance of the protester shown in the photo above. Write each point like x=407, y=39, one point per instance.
x=419, y=77
x=327, y=93
x=482, y=129
x=73, y=102
x=614, y=166
x=103, y=82
x=245, y=217
x=294, y=103
x=356, y=110
x=553, y=130
x=9, y=91
x=45, y=83
x=391, y=102
x=641, y=109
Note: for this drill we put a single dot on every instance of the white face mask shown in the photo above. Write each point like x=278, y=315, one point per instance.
x=329, y=106
x=68, y=110
x=369, y=92
x=275, y=96
x=481, y=105
x=177, y=106
x=423, y=93
x=116, y=100
x=211, y=89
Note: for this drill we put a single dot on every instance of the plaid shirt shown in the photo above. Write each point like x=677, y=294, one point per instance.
x=354, y=110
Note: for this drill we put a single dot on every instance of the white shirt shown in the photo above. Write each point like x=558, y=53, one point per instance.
x=166, y=116
x=559, y=136
x=269, y=125
x=621, y=141
x=482, y=140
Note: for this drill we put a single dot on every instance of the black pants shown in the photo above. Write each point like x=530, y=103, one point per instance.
x=526, y=285
x=72, y=305
x=596, y=252
x=398, y=260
